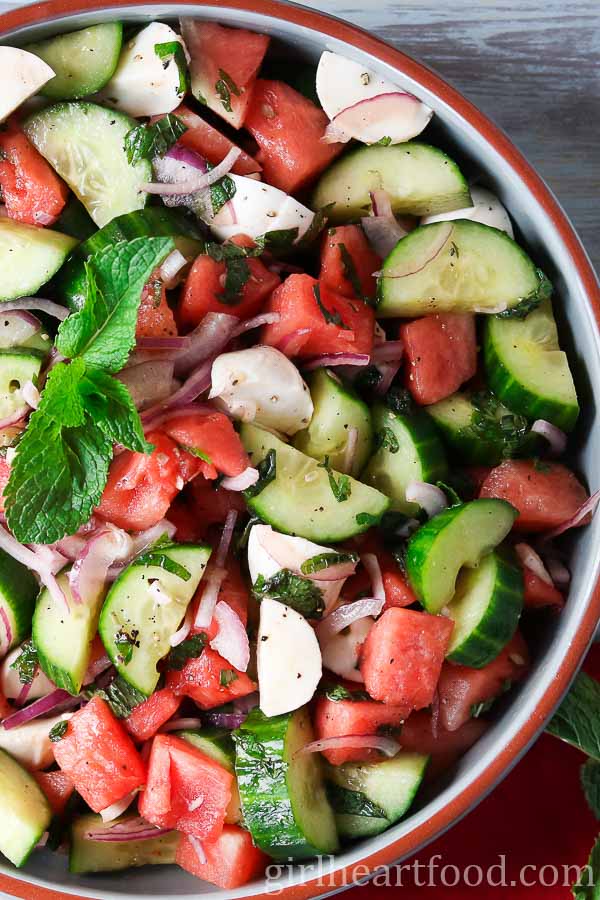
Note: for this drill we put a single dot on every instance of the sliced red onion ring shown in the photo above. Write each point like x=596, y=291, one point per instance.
x=559, y=573
x=226, y=536
x=8, y=635
x=160, y=343
x=89, y=572
x=428, y=496
x=216, y=575
x=194, y=183
x=586, y=509
x=197, y=383
x=256, y=322
x=225, y=720
x=135, y=830
x=240, y=482
x=181, y=724
x=533, y=561
x=18, y=326
x=350, y=450
x=198, y=849
x=70, y=547
x=47, y=306
x=419, y=261
x=31, y=395
x=556, y=438
x=24, y=692
x=385, y=745
x=181, y=634
x=371, y=564
x=95, y=668
x=148, y=383
x=388, y=372
x=139, y=542
x=117, y=809
x=368, y=119
x=34, y=561
x=15, y=417
x=387, y=351
x=293, y=342
x=170, y=270
x=346, y=614
x=337, y=359
x=382, y=229
x=40, y=707
x=231, y=641
x=206, y=341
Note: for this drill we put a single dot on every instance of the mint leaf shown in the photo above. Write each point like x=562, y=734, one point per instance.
x=354, y=803
x=120, y=696
x=590, y=782
x=300, y=593
x=350, y=272
x=191, y=648
x=225, y=87
x=26, y=663
x=331, y=318
x=588, y=885
x=325, y=561
x=149, y=141
x=341, y=487
x=387, y=440
x=102, y=332
x=227, y=676
x=61, y=401
x=174, y=50
x=58, y=731
x=267, y=472
x=577, y=720
x=113, y=411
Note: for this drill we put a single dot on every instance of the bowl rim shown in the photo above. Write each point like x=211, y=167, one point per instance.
x=332, y=27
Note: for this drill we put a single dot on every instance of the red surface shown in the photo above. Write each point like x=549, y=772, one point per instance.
x=537, y=817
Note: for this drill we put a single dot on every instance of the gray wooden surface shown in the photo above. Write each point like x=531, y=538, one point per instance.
x=532, y=65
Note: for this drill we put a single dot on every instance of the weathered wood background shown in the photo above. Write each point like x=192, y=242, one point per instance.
x=532, y=65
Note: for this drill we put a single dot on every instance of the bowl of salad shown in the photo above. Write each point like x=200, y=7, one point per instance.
x=298, y=463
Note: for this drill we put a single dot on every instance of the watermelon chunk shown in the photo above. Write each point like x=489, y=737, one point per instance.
x=420, y=734
x=203, y=681
x=339, y=718
x=145, y=719
x=288, y=128
x=441, y=354
x=402, y=657
x=155, y=317
x=305, y=328
x=231, y=861
x=538, y=593
x=460, y=687
x=209, y=143
x=348, y=263
x=545, y=494
x=224, y=65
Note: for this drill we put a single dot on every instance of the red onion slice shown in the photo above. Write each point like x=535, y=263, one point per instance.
x=226, y=536
x=148, y=383
x=418, y=262
x=181, y=724
x=533, y=561
x=396, y=114
x=293, y=342
x=47, y=306
x=198, y=849
x=337, y=359
x=387, y=351
x=231, y=641
x=170, y=270
x=117, y=809
x=8, y=635
x=371, y=564
x=385, y=745
x=388, y=372
x=428, y=496
x=40, y=707
x=350, y=450
x=346, y=614
x=35, y=561
x=206, y=341
x=556, y=438
x=586, y=509
x=137, y=830
x=197, y=182
x=89, y=573
x=382, y=229
x=212, y=585
x=197, y=383
x=181, y=634
x=256, y=322
x=227, y=720
x=159, y=343
x=95, y=668
x=240, y=482
x=15, y=417
x=17, y=327
x=156, y=417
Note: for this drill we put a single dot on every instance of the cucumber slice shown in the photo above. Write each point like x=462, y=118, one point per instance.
x=64, y=639
x=86, y=855
x=378, y=793
x=135, y=628
x=485, y=609
x=457, y=537
x=18, y=592
x=527, y=369
x=83, y=142
x=154, y=221
x=24, y=811
x=283, y=797
x=410, y=450
x=83, y=61
x=75, y=220
x=456, y=418
x=17, y=367
x=457, y=266
x=337, y=409
x=218, y=745
x=300, y=499
x=29, y=257
x=418, y=178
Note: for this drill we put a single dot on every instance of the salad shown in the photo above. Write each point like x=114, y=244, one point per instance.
x=282, y=418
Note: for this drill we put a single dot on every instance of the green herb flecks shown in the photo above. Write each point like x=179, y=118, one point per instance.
x=225, y=87
x=350, y=271
x=300, y=593
x=532, y=301
x=58, y=731
x=120, y=696
x=267, y=472
x=387, y=440
x=325, y=561
x=26, y=663
x=191, y=648
x=590, y=781
x=173, y=50
x=341, y=487
x=125, y=643
x=331, y=318
x=227, y=676
x=150, y=141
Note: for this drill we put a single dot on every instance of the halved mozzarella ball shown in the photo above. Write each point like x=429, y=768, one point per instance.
x=30, y=743
x=23, y=74
x=257, y=208
x=144, y=84
x=288, y=659
x=11, y=686
x=261, y=385
x=363, y=105
x=269, y=552
x=341, y=652
x=486, y=209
